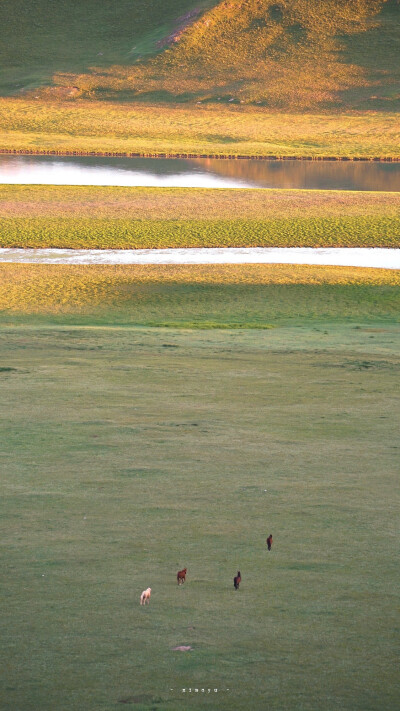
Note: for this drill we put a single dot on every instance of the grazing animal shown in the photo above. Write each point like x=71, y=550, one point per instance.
x=145, y=596
x=181, y=576
x=236, y=580
x=269, y=541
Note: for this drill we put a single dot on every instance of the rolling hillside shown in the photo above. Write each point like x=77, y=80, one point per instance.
x=289, y=55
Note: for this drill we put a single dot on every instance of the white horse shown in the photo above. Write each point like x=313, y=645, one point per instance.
x=145, y=596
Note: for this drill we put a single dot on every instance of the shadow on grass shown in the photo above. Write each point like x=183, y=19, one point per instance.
x=147, y=97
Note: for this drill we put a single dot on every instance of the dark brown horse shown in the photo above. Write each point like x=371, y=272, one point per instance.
x=236, y=580
x=181, y=576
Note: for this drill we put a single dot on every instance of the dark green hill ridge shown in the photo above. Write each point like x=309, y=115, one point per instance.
x=41, y=37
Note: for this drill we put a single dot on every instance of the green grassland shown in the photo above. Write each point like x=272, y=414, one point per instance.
x=160, y=417
x=96, y=217
x=129, y=453
x=227, y=296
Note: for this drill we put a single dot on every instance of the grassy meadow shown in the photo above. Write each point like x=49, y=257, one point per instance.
x=129, y=453
x=254, y=78
x=161, y=417
x=226, y=296
x=98, y=217
x=149, y=129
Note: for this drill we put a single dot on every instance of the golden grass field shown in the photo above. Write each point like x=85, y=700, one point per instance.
x=104, y=127
x=131, y=218
x=146, y=203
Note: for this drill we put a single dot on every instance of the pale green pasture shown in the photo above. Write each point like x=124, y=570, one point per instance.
x=129, y=453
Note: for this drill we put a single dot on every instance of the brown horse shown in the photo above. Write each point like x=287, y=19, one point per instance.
x=236, y=580
x=181, y=576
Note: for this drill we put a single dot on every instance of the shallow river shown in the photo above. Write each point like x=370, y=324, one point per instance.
x=377, y=258
x=200, y=172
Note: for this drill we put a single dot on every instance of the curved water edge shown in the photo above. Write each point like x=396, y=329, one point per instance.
x=376, y=258
x=231, y=173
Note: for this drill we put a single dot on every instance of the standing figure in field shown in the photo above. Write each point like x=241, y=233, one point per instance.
x=236, y=580
x=269, y=541
x=181, y=576
x=145, y=596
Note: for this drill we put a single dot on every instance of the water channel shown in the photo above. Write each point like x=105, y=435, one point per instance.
x=200, y=172
x=348, y=257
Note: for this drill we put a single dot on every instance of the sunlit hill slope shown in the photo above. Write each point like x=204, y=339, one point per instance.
x=290, y=55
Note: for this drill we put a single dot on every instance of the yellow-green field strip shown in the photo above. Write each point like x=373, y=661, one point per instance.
x=107, y=128
x=223, y=296
x=145, y=218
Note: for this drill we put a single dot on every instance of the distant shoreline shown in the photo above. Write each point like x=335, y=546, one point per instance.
x=214, y=156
